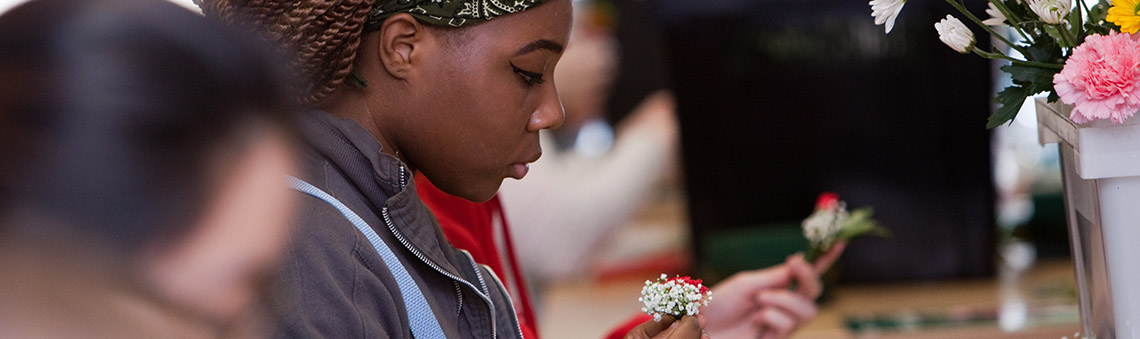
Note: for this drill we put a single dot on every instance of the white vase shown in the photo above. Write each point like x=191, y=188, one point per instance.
x=1100, y=165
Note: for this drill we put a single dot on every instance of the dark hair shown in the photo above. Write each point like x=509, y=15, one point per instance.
x=320, y=36
x=113, y=114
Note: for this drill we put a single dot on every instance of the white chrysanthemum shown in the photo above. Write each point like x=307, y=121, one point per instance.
x=955, y=34
x=823, y=225
x=1051, y=11
x=886, y=11
x=996, y=17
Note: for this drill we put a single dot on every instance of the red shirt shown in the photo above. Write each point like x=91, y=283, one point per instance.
x=470, y=226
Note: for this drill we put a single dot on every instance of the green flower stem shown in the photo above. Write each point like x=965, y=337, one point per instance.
x=1067, y=36
x=994, y=56
x=1013, y=19
x=1087, y=11
x=1081, y=20
x=973, y=18
x=814, y=253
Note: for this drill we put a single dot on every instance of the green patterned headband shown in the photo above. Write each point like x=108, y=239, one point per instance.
x=452, y=13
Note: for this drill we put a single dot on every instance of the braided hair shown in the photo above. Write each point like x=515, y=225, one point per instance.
x=321, y=37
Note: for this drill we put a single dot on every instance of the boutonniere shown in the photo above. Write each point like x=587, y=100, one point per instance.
x=676, y=297
x=831, y=222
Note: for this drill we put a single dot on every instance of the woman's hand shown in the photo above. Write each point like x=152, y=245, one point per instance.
x=686, y=328
x=762, y=302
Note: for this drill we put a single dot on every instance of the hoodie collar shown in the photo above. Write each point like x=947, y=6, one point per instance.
x=381, y=178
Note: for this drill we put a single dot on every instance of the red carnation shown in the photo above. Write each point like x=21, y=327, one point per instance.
x=827, y=201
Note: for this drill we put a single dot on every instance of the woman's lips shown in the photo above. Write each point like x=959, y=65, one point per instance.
x=519, y=170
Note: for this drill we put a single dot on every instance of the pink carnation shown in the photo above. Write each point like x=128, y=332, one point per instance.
x=1102, y=78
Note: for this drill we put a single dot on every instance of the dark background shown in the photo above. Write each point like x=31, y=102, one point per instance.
x=780, y=100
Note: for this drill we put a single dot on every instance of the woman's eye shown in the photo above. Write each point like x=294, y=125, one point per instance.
x=531, y=78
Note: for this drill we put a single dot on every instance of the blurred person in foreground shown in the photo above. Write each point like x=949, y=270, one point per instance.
x=577, y=195
x=141, y=190
x=457, y=90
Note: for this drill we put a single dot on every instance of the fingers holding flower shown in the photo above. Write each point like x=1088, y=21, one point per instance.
x=824, y=261
x=752, y=303
x=804, y=277
x=796, y=306
x=775, y=324
x=687, y=327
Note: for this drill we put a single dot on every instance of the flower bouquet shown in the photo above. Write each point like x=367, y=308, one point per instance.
x=676, y=297
x=1083, y=53
x=831, y=223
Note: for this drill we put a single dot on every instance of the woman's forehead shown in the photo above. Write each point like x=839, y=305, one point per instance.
x=542, y=29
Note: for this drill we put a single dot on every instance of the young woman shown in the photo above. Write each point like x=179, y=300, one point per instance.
x=752, y=304
x=457, y=90
x=140, y=186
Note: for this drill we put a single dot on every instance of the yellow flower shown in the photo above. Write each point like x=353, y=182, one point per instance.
x=1124, y=13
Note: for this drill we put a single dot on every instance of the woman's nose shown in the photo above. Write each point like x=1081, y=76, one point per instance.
x=549, y=113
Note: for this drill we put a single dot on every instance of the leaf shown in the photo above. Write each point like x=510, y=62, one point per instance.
x=1010, y=100
x=1077, y=27
x=1098, y=12
x=859, y=222
x=1029, y=74
x=1045, y=49
x=1096, y=23
x=1092, y=28
x=1018, y=9
x=1034, y=79
x=1055, y=33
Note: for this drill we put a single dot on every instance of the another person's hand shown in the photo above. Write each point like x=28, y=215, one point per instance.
x=763, y=304
x=686, y=328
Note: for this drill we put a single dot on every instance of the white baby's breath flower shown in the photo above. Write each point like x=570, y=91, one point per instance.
x=676, y=297
x=955, y=34
x=886, y=11
x=822, y=226
x=1052, y=12
x=996, y=17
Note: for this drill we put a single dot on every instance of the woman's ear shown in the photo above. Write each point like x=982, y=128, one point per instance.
x=401, y=38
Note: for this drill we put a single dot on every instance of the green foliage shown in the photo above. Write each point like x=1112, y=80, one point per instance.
x=1042, y=51
x=1009, y=103
x=1074, y=20
x=1034, y=79
x=1056, y=34
x=859, y=222
x=1045, y=49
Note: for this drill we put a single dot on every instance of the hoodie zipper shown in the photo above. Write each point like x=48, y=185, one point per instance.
x=432, y=264
x=510, y=303
x=416, y=252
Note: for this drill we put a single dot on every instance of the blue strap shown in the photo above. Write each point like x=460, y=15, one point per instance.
x=420, y=317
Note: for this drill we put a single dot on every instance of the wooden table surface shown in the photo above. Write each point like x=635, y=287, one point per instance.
x=1044, y=292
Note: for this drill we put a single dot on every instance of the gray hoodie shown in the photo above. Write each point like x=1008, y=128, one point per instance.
x=333, y=284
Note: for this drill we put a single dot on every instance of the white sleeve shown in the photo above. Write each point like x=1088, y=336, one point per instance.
x=568, y=204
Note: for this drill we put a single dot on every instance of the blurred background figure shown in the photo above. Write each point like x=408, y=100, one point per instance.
x=141, y=186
